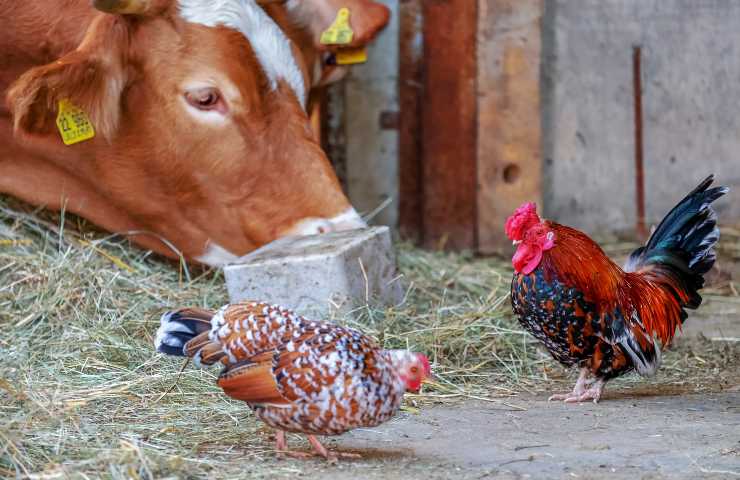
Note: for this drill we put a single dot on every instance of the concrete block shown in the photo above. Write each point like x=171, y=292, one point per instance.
x=320, y=275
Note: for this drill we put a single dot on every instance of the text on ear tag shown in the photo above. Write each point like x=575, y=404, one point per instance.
x=73, y=123
x=339, y=33
x=350, y=56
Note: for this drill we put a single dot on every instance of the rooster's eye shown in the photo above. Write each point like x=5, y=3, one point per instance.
x=414, y=370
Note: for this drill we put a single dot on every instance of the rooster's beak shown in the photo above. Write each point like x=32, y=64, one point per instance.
x=516, y=242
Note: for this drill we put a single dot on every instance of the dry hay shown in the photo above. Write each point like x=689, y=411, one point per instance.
x=82, y=394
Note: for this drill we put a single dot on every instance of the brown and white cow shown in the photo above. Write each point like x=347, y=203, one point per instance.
x=202, y=136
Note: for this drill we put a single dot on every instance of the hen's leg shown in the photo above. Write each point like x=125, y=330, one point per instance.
x=584, y=379
x=281, y=446
x=324, y=452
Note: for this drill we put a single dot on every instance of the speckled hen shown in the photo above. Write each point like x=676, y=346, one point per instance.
x=593, y=314
x=297, y=375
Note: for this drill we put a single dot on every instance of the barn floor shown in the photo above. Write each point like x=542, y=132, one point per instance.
x=83, y=395
x=658, y=429
x=653, y=434
x=682, y=424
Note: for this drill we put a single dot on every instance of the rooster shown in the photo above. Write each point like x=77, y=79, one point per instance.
x=605, y=319
x=297, y=375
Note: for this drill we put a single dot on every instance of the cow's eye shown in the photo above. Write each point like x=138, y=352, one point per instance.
x=207, y=98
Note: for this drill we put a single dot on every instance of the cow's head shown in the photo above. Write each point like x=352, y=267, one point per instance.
x=199, y=108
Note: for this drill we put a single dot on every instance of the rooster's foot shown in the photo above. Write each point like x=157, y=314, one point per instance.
x=584, y=379
x=587, y=388
x=593, y=393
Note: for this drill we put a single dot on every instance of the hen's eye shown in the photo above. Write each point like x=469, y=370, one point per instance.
x=204, y=98
x=414, y=370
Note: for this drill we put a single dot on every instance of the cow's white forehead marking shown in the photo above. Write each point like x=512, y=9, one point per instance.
x=269, y=43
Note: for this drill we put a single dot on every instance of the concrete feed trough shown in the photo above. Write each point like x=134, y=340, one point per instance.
x=320, y=275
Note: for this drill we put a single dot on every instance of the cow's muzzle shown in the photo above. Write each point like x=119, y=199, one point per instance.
x=347, y=220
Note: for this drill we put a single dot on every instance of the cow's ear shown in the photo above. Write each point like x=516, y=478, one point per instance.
x=367, y=18
x=91, y=77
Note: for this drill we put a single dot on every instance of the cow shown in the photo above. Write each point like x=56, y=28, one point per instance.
x=202, y=144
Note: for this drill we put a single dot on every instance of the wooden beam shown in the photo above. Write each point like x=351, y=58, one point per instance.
x=410, y=77
x=509, y=143
x=449, y=130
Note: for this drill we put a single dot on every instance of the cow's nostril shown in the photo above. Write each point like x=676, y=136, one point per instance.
x=323, y=226
x=315, y=226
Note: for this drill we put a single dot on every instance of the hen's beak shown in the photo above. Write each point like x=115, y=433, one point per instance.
x=516, y=242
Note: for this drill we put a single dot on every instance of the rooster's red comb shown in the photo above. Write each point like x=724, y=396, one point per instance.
x=526, y=208
x=524, y=217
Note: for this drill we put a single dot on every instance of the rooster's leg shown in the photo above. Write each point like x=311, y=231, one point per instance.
x=584, y=379
x=324, y=452
x=593, y=393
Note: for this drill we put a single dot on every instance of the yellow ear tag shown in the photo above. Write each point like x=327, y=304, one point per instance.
x=350, y=56
x=73, y=124
x=339, y=33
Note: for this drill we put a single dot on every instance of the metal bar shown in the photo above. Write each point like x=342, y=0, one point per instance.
x=639, y=145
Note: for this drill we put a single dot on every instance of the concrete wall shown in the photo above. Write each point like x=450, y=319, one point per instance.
x=371, y=151
x=691, y=100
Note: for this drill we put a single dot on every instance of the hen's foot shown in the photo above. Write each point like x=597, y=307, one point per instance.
x=281, y=446
x=331, y=457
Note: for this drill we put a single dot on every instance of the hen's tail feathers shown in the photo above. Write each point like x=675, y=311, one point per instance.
x=184, y=333
x=682, y=246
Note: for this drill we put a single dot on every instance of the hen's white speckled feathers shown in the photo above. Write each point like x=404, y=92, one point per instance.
x=298, y=375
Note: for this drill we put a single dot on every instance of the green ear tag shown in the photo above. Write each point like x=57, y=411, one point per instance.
x=339, y=33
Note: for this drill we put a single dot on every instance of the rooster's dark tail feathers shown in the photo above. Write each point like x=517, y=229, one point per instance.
x=682, y=245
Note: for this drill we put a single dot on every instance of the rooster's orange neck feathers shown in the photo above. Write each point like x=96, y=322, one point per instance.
x=580, y=263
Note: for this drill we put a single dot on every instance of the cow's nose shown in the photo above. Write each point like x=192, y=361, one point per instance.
x=347, y=220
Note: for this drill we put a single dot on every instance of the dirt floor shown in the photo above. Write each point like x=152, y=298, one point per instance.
x=650, y=435
x=645, y=433
x=663, y=428
x=83, y=395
